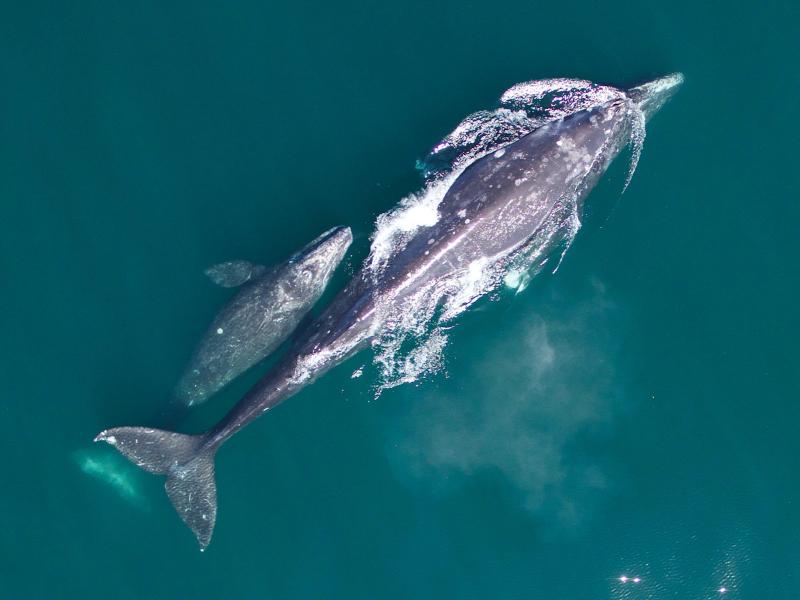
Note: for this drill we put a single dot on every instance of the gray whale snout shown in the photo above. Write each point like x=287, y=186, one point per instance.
x=652, y=95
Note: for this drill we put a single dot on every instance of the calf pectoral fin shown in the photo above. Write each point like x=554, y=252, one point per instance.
x=234, y=273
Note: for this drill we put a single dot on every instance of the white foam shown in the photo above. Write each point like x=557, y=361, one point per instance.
x=394, y=228
x=638, y=119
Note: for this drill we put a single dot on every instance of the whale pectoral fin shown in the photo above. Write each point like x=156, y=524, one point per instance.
x=234, y=273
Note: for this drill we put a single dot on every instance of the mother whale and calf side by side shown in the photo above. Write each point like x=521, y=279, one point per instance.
x=505, y=191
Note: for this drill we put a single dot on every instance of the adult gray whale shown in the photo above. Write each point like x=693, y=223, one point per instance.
x=262, y=315
x=498, y=213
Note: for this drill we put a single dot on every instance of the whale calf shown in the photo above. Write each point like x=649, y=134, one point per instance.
x=509, y=208
x=262, y=315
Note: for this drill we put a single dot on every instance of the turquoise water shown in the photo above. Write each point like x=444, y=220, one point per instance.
x=632, y=415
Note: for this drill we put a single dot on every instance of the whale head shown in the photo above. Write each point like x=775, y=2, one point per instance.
x=636, y=106
x=316, y=262
x=309, y=270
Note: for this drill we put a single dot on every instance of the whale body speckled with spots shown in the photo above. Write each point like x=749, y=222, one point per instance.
x=267, y=309
x=502, y=207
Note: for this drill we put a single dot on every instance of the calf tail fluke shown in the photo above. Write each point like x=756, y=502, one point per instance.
x=188, y=465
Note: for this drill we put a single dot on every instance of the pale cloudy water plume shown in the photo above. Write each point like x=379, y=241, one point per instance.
x=114, y=471
x=560, y=368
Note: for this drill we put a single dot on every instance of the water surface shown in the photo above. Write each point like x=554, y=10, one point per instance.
x=632, y=415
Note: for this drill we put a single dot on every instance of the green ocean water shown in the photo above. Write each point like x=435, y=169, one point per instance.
x=635, y=414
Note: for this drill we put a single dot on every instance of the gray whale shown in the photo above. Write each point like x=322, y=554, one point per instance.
x=269, y=306
x=497, y=211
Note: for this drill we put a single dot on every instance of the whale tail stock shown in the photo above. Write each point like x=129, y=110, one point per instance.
x=188, y=465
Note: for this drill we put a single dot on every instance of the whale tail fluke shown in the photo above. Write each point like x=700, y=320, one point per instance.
x=188, y=465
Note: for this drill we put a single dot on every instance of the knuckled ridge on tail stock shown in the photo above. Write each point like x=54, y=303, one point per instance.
x=188, y=465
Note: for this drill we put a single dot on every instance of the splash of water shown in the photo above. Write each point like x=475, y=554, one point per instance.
x=393, y=229
x=637, y=120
